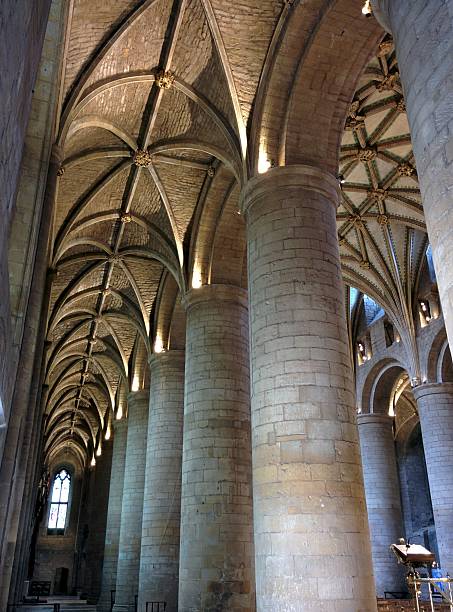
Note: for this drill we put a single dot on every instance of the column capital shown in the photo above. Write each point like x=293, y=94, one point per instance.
x=369, y=418
x=119, y=424
x=215, y=293
x=381, y=10
x=299, y=176
x=165, y=357
x=137, y=396
x=426, y=389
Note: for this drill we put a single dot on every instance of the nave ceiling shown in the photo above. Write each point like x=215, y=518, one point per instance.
x=165, y=107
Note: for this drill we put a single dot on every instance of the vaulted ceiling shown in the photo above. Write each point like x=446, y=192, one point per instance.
x=165, y=105
x=380, y=220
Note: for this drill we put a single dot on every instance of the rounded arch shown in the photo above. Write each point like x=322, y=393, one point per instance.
x=380, y=385
x=438, y=364
x=318, y=82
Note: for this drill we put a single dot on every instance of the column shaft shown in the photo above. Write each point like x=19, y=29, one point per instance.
x=24, y=426
x=435, y=409
x=112, y=536
x=423, y=36
x=132, y=503
x=383, y=500
x=216, y=556
x=311, y=530
x=159, y=560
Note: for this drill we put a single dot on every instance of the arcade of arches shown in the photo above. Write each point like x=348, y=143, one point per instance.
x=227, y=300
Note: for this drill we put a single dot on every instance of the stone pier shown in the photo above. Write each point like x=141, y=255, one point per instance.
x=311, y=530
x=112, y=536
x=383, y=500
x=435, y=409
x=216, y=559
x=132, y=503
x=159, y=561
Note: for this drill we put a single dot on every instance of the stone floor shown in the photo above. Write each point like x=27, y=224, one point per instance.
x=67, y=604
x=404, y=605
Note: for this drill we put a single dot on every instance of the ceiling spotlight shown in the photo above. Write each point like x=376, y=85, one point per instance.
x=366, y=9
x=341, y=179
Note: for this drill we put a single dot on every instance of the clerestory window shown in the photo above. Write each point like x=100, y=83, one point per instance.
x=59, y=502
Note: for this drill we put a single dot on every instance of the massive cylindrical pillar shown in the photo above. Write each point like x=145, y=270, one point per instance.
x=159, y=561
x=311, y=530
x=435, y=410
x=423, y=36
x=132, y=503
x=112, y=536
x=216, y=557
x=383, y=500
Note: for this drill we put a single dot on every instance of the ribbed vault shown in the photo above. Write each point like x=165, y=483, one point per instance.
x=164, y=106
x=152, y=133
x=380, y=220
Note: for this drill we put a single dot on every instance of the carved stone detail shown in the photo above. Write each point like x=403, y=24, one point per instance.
x=383, y=219
x=378, y=194
x=367, y=154
x=356, y=220
x=142, y=159
x=385, y=48
x=400, y=105
x=125, y=218
x=354, y=123
x=353, y=109
x=388, y=83
x=405, y=169
x=165, y=79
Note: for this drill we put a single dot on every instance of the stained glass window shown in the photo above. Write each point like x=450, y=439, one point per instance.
x=59, y=501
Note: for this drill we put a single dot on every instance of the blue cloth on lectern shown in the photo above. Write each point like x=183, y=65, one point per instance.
x=436, y=572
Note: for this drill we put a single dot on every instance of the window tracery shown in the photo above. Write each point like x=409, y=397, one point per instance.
x=59, y=503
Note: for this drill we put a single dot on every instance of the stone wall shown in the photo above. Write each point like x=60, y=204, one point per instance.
x=22, y=28
x=53, y=551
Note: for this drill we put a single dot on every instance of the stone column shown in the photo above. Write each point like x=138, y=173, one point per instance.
x=22, y=441
x=312, y=546
x=435, y=410
x=112, y=536
x=423, y=35
x=216, y=557
x=132, y=503
x=159, y=561
x=383, y=500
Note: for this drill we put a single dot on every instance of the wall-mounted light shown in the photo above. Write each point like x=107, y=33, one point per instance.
x=99, y=451
x=363, y=354
x=361, y=350
x=263, y=162
x=366, y=9
x=119, y=413
x=425, y=312
x=196, y=278
x=93, y=461
x=135, y=384
x=158, y=345
x=107, y=433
